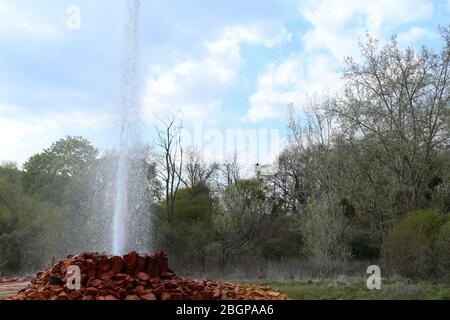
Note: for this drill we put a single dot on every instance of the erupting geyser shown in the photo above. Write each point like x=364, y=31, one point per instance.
x=129, y=135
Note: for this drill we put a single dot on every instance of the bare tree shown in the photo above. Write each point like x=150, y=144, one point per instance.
x=304, y=166
x=171, y=160
x=230, y=173
x=197, y=171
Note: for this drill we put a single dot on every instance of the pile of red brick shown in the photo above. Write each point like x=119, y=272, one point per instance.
x=132, y=277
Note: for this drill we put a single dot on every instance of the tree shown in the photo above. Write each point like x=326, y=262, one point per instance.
x=238, y=223
x=398, y=103
x=198, y=172
x=187, y=237
x=305, y=165
x=325, y=229
x=10, y=171
x=48, y=173
x=65, y=176
x=229, y=171
x=170, y=160
x=412, y=247
x=29, y=228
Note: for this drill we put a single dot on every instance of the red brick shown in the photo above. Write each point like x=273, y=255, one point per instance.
x=130, y=260
x=107, y=276
x=95, y=283
x=140, y=264
x=116, y=264
x=91, y=291
x=143, y=276
x=149, y=296
x=132, y=297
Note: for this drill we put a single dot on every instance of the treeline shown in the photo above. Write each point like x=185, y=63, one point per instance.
x=47, y=207
x=364, y=176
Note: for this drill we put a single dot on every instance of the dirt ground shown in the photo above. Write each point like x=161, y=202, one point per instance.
x=10, y=288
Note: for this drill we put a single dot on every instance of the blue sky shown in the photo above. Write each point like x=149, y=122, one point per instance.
x=224, y=64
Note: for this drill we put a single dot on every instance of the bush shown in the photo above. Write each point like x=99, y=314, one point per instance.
x=325, y=229
x=409, y=247
x=442, y=250
x=364, y=246
x=187, y=237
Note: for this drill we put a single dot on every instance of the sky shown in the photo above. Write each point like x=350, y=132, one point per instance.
x=229, y=67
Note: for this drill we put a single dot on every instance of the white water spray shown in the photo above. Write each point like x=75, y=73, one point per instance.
x=129, y=135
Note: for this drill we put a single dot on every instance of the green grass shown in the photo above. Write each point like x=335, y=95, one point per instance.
x=352, y=289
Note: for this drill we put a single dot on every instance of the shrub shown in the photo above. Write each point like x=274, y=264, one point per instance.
x=187, y=237
x=442, y=250
x=364, y=246
x=408, y=248
x=324, y=229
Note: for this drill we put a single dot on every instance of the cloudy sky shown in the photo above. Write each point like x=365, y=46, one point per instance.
x=225, y=64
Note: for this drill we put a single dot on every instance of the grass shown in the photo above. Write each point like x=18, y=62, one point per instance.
x=355, y=289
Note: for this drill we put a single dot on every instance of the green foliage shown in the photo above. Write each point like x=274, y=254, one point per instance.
x=426, y=222
x=243, y=215
x=47, y=173
x=187, y=237
x=29, y=233
x=324, y=229
x=365, y=246
x=278, y=239
x=44, y=209
x=10, y=172
x=442, y=250
x=409, y=247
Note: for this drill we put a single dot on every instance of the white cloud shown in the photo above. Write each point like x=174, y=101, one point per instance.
x=336, y=28
x=16, y=20
x=195, y=85
x=337, y=25
x=291, y=81
x=20, y=139
x=408, y=37
x=268, y=34
x=25, y=133
x=82, y=119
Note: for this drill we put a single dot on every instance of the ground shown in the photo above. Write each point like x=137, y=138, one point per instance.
x=356, y=289
x=9, y=288
x=327, y=289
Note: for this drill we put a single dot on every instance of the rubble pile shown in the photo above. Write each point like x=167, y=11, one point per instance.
x=132, y=277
